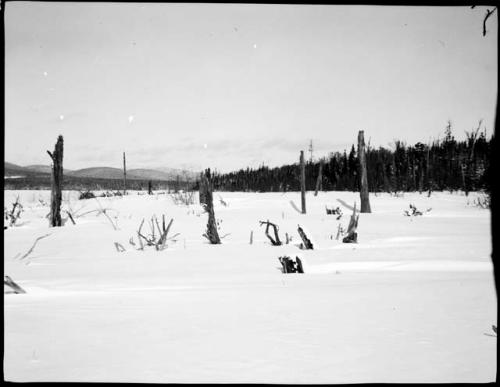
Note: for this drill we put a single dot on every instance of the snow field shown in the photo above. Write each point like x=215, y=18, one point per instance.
x=413, y=301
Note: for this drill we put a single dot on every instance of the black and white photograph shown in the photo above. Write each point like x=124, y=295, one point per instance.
x=249, y=193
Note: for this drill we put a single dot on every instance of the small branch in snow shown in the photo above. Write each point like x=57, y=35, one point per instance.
x=15, y=287
x=119, y=247
x=70, y=217
x=33, y=247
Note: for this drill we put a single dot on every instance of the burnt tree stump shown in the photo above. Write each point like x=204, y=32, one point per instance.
x=290, y=265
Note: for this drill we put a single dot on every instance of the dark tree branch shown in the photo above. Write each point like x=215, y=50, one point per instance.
x=276, y=241
x=488, y=14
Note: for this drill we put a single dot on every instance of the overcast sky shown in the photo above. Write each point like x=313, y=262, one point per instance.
x=228, y=86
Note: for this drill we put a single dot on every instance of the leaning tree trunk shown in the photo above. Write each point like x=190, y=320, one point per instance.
x=302, y=182
x=57, y=180
x=363, y=191
x=212, y=235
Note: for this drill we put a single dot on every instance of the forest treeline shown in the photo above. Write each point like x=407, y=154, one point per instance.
x=443, y=164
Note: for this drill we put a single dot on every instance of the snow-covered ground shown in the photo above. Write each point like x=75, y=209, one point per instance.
x=412, y=302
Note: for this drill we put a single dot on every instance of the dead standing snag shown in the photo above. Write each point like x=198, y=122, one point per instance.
x=363, y=175
x=302, y=182
x=57, y=180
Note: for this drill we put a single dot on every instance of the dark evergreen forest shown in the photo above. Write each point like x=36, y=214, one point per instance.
x=443, y=164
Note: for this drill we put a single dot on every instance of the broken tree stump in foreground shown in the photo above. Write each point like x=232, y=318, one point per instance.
x=307, y=243
x=290, y=265
x=352, y=235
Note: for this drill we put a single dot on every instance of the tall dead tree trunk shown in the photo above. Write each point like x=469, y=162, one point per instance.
x=319, y=181
x=363, y=191
x=57, y=180
x=124, y=175
x=302, y=182
x=211, y=234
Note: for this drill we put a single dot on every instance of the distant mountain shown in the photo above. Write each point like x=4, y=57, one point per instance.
x=15, y=170
x=43, y=168
x=102, y=172
x=132, y=174
x=13, y=167
x=98, y=172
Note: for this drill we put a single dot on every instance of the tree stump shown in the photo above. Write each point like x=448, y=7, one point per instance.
x=352, y=235
x=308, y=245
x=290, y=265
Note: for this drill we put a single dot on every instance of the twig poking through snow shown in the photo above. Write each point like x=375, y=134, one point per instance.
x=119, y=247
x=33, y=247
x=70, y=217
